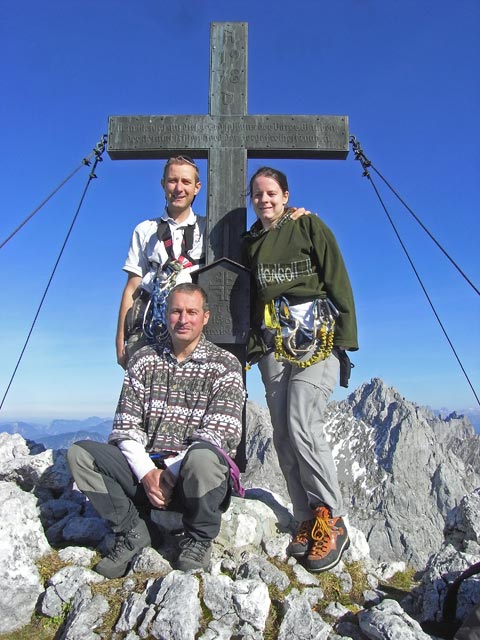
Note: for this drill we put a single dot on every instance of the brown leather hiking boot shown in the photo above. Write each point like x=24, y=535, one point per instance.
x=330, y=540
x=298, y=547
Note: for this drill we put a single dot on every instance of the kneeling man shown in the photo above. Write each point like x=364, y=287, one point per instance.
x=179, y=413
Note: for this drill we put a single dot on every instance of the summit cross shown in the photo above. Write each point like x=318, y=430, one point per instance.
x=227, y=136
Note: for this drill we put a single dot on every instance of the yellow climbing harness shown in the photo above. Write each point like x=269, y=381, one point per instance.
x=279, y=321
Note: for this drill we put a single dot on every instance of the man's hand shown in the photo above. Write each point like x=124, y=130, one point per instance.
x=298, y=212
x=158, y=485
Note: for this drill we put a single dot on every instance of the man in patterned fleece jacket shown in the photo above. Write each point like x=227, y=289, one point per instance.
x=179, y=415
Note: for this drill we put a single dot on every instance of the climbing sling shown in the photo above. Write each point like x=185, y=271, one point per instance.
x=147, y=314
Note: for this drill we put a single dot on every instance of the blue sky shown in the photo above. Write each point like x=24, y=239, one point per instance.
x=406, y=74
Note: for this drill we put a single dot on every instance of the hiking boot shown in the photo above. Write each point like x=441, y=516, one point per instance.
x=194, y=554
x=298, y=547
x=329, y=541
x=127, y=545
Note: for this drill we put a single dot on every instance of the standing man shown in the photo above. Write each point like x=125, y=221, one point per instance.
x=175, y=239
x=178, y=419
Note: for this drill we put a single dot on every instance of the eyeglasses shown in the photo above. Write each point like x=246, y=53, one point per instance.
x=186, y=159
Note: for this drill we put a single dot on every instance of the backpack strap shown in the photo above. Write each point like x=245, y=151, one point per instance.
x=450, y=602
x=448, y=626
x=164, y=234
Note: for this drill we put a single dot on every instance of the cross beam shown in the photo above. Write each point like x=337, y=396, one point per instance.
x=227, y=136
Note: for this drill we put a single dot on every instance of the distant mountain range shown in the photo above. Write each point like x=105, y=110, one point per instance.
x=472, y=414
x=60, y=434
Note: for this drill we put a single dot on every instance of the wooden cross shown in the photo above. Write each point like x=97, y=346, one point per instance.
x=227, y=136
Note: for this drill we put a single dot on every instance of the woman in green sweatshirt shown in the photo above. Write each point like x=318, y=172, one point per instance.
x=303, y=320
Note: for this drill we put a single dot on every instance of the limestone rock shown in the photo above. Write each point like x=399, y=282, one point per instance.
x=179, y=612
x=254, y=566
x=389, y=621
x=22, y=541
x=300, y=621
x=86, y=614
x=411, y=483
x=452, y=559
x=150, y=561
x=63, y=586
x=132, y=612
x=78, y=556
x=47, y=469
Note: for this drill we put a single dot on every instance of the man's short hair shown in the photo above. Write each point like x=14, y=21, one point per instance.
x=191, y=287
x=182, y=160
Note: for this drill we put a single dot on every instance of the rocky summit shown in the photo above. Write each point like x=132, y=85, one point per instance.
x=411, y=483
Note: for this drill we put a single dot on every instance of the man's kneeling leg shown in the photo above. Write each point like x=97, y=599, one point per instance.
x=102, y=473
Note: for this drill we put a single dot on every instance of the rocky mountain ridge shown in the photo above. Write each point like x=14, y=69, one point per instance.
x=38, y=431
x=411, y=485
x=401, y=468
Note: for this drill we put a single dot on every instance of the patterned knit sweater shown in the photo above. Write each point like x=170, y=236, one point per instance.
x=165, y=405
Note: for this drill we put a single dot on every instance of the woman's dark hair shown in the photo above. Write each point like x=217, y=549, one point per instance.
x=268, y=172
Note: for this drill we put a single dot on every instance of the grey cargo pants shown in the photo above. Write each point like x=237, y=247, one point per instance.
x=296, y=399
x=202, y=492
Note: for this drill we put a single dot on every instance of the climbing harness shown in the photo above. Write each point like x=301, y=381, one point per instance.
x=292, y=342
x=154, y=321
x=149, y=310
